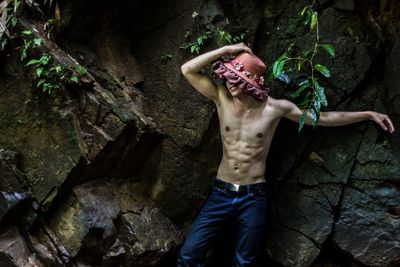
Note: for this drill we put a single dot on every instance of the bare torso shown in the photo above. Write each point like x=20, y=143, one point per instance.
x=246, y=138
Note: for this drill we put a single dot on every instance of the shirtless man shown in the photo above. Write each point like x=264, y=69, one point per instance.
x=248, y=119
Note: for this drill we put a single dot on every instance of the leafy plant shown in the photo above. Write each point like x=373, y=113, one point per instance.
x=198, y=42
x=221, y=36
x=225, y=37
x=309, y=88
x=48, y=75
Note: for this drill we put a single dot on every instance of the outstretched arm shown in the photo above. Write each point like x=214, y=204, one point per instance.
x=336, y=118
x=192, y=69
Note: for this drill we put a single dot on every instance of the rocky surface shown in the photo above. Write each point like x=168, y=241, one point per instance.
x=111, y=172
x=15, y=252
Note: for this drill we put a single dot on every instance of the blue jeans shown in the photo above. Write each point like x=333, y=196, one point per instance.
x=245, y=210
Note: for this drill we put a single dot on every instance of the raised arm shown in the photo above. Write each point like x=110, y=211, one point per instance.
x=192, y=70
x=335, y=118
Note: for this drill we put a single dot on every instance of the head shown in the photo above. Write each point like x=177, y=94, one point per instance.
x=243, y=74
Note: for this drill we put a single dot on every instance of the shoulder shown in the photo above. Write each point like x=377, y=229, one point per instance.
x=279, y=104
x=280, y=107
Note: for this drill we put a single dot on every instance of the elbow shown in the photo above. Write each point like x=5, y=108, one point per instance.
x=184, y=69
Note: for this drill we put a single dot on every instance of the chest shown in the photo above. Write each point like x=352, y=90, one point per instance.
x=252, y=125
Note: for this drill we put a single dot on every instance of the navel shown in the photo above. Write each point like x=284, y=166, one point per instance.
x=259, y=135
x=227, y=128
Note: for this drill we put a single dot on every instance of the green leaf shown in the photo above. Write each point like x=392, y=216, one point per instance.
x=314, y=20
x=302, y=119
x=200, y=40
x=239, y=37
x=56, y=68
x=27, y=32
x=228, y=38
x=319, y=93
x=27, y=44
x=82, y=70
x=74, y=79
x=328, y=48
x=23, y=54
x=44, y=59
x=37, y=41
x=314, y=117
x=316, y=105
x=323, y=70
x=40, y=82
x=277, y=68
x=303, y=11
x=282, y=57
x=33, y=62
x=39, y=72
x=46, y=86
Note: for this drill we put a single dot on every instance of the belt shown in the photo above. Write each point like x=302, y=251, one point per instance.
x=248, y=188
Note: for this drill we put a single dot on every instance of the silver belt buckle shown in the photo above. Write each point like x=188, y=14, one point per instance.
x=236, y=187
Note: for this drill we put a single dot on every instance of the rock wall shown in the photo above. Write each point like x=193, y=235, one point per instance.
x=113, y=171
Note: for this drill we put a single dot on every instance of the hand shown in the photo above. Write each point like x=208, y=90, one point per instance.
x=236, y=48
x=383, y=120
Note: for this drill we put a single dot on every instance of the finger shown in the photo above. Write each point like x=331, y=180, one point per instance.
x=248, y=49
x=390, y=124
x=382, y=125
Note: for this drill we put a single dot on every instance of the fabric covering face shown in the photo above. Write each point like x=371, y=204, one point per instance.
x=223, y=69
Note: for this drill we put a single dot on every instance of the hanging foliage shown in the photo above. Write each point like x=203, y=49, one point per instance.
x=308, y=88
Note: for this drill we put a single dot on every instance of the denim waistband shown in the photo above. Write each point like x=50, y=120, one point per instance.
x=248, y=188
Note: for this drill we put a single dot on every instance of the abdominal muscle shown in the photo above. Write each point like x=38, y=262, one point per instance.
x=242, y=164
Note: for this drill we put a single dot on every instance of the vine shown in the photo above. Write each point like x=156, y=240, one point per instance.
x=314, y=93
